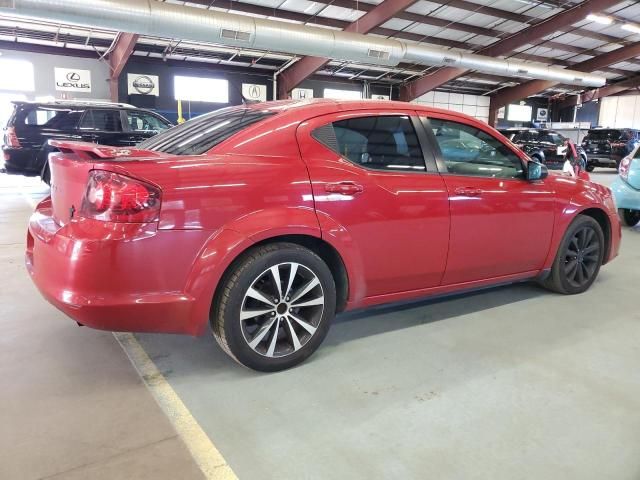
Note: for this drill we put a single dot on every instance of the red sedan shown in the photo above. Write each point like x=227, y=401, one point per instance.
x=265, y=220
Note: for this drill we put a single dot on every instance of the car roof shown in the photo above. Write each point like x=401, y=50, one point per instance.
x=77, y=103
x=322, y=106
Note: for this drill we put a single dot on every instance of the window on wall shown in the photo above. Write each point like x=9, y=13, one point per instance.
x=17, y=75
x=197, y=89
x=342, y=94
x=519, y=113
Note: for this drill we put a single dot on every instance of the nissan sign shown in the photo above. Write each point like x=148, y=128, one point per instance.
x=139, y=84
x=72, y=80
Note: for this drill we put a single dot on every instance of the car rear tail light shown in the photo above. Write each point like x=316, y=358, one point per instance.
x=112, y=197
x=623, y=170
x=12, y=138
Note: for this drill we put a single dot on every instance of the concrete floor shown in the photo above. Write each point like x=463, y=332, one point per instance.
x=511, y=383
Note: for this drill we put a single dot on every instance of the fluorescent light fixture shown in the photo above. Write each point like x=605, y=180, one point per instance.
x=600, y=19
x=631, y=27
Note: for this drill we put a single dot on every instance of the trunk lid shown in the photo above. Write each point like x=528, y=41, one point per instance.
x=70, y=168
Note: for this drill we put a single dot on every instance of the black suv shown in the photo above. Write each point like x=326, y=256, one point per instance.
x=606, y=147
x=32, y=124
x=544, y=146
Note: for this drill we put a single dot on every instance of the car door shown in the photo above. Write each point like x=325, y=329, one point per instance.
x=140, y=125
x=376, y=196
x=103, y=126
x=501, y=224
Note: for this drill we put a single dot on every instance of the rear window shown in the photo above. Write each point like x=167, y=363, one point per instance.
x=604, y=134
x=201, y=134
x=60, y=119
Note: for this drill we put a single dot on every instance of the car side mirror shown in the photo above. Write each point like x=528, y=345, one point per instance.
x=536, y=171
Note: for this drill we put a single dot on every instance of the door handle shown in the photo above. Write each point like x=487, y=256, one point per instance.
x=343, y=188
x=468, y=192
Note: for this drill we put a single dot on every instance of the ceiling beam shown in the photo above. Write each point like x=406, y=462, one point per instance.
x=420, y=86
x=121, y=50
x=523, y=18
x=520, y=92
x=597, y=93
x=424, y=19
x=239, y=6
x=306, y=66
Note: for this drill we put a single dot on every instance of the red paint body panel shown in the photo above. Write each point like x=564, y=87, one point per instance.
x=401, y=235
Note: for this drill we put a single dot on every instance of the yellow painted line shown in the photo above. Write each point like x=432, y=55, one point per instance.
x=204, y=452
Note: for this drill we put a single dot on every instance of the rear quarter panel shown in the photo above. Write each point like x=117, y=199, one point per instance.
x=237, y=198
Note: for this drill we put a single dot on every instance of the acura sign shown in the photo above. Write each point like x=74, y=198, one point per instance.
x=139, y=84
x=72, y=80
x=256, y=93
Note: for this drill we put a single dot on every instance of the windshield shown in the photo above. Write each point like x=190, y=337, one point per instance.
x=604, y=134
x=201, y=134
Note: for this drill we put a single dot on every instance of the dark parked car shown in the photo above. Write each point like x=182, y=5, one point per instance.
x=606, y=147
x=544, y=146
x=33, y=124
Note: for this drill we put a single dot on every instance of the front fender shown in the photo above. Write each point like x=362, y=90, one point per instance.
x=593, y=196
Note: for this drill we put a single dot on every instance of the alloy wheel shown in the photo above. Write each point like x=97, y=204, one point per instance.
x=582, y=256
x=282, y=309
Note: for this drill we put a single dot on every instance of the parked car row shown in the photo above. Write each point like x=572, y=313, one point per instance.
x=32, y=124
x=542, y=145
x=606, y=147
x=601, y=147
x=288, y=212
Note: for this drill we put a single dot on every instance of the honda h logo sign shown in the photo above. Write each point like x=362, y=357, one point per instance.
x=72, y=80
x=139, y=84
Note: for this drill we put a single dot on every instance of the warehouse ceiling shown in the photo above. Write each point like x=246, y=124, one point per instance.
x=460, y=25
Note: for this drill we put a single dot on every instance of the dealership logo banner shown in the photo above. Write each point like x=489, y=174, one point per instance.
x=301, y=93
x=73, y=80
x=252, y=91
x=139, y=84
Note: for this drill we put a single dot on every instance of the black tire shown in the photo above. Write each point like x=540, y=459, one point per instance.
x=629, y=218
x=590, y=167
x=585, y=252
x=253, y=271
x=537, y=158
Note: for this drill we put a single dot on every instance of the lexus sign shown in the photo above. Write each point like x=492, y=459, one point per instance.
x=73, y=80
x=139, y=84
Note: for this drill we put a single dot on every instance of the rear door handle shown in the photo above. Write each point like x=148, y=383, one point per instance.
x=468, y=192
x=343, y=188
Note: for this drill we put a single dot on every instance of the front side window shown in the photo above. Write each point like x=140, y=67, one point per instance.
x=469, y=151
x=102, y=120
x=379, y=142
x=144, y=122
x=201, y=134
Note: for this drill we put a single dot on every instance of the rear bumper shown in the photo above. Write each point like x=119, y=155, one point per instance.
x=604, y=159
x=625, y=195
x=114, y=277
x=21, y=161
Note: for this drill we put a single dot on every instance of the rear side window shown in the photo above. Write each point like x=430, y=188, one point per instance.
x=52, y=118
x=379, y=142
x=102, y=120
x=201, y=134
